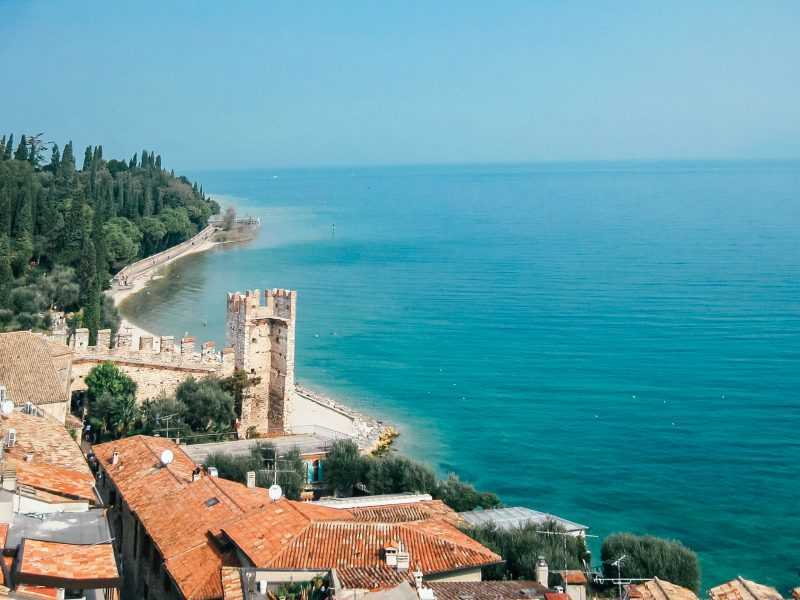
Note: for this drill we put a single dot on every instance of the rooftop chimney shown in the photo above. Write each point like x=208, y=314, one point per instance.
x=403, y=559
x=11, y=438
x=114, y=457
x=212, y=472
x=542, y=571
x=251, y=479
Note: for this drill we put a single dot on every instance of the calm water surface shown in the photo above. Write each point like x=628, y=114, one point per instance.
x=615, y=343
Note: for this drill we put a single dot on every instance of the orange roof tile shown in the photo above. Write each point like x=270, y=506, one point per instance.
x=372, y=578
x=277, y=537
x=486, y=590
x=658, y=589
x=743, y=589
x=555, y=596
x=46, y=439
x=67, y=565
x=37, y=591
x=28, y=371
x=232, y=584
x=405, y=513
x=58, y=481
x=573, y=577
x=139, y=475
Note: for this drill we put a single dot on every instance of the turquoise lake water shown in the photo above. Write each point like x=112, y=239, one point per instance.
x=615, y=343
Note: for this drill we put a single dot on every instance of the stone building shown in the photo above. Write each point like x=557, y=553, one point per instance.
x=263, y=340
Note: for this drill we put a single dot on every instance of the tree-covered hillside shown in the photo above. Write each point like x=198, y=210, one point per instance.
x=65, y=231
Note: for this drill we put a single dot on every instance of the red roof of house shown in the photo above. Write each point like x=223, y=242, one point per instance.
x=189, y=522
x=517, y=589
x=139, y=475
x=573, y=577
x=54, y=564
x=58, y=481
x=281, y=536
x=405, y=513
x=555, y=596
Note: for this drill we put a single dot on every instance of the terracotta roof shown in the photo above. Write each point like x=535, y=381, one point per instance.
x=56, y=481
x=37, y=591
x=28, y=371
x=404, y=513
x=277, y=537
x=573, y=577
x=46, y=439
x=658, y=589
x=232, y=584
x=486, y=590
x=67, y=565
x=372, y=578
x=743, y=589
x=181, y=525
x=139, y=475
x=556, y=596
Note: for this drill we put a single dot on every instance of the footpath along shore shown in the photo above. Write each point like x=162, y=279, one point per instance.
x=135, y=277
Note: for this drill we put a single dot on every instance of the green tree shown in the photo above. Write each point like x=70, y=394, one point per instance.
x=55, y=160
x=648, y=556
x=107, y=378
x=261, y=459
x=521, y=546
x=462, y=497
x=208, y=406
x=6, y=276
x=22, y=149
x=9, y=147
x=345, y=467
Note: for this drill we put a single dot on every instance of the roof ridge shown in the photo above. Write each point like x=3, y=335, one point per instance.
x=145, y=439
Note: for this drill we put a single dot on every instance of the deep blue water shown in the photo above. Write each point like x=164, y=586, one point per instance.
x=615, y=343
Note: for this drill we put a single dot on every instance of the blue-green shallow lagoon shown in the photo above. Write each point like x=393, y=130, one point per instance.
x=618, y=343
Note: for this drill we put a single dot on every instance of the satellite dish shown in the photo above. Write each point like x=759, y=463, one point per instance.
x=275, y=492
x=166, y=457
x=6, y=407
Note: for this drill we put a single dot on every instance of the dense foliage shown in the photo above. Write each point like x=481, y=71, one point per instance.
x=64, y=231
x=198, y=407
x=347, y=470
x=112, y=402
x=291, y=469
x=521, y=546
x=647, y=557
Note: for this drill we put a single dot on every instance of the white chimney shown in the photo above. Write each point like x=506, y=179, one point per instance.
x=251, y=479
x=11, y=438
x=212, y=472
x=418, y=579
x=403, y=559
x=10, y=480
x=390, y=554
x=114, y=457
x=542, y=572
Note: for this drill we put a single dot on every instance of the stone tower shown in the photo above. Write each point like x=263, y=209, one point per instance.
x=262, y=337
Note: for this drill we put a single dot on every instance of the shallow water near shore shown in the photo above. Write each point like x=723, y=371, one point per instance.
x=615, y=343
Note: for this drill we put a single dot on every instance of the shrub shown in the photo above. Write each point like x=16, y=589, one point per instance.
x=647, y=557
x=208, y=406
x=521, y=546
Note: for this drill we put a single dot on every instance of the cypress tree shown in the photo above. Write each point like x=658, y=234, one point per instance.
x=132, y=162
x=23, y=215
x=89, y=288
x=5, y=211
x=87, y=158
x=22, y=149
x=55, y=160
x=68, y=160
x=158, y=162
x=3, y=148
x=6, y=276
x=9, y=146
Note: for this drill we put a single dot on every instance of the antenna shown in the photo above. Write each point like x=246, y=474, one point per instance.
x=618, y=563
x=167, y=457
x=564, y=534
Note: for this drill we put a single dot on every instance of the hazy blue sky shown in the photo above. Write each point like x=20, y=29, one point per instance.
x=265, y=83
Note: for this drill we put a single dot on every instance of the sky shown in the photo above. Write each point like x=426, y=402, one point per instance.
x=226, y=85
